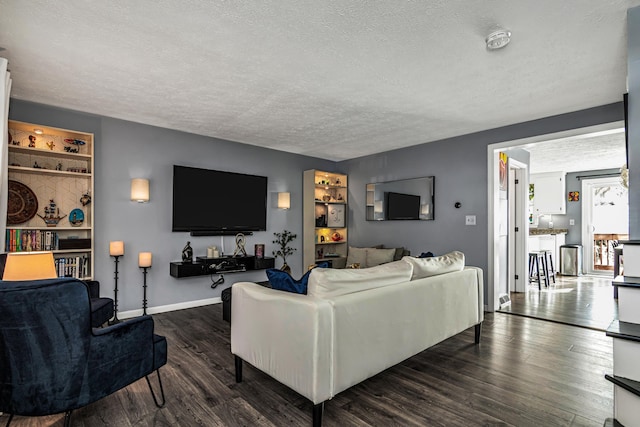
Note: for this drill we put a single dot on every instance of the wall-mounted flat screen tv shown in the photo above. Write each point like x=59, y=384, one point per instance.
x=213, y=202
x=401, y=206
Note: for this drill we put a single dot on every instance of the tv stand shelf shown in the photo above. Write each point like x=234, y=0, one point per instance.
x=203, y=266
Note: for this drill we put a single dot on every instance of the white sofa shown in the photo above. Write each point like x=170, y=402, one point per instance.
x=352, y=324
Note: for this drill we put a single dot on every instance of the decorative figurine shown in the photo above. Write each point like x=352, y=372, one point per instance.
x=36, y=165
x=51, y=214
x=240, y=241
x=59, y=167
x=32, y=141
x=50, y=144
x=85, y=199
x=187, y=253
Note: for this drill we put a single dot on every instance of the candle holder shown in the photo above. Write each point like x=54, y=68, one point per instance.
x=115, y=294
x=144, y=290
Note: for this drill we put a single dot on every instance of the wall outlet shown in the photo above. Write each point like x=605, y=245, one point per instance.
x=572, y=222
x=470, y=220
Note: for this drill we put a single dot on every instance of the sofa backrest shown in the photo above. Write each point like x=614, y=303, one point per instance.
x=330, y=282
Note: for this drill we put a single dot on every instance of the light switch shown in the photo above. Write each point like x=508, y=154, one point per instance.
x=470, y=220
x=572, y=222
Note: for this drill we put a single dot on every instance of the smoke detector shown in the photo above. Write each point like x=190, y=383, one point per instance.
x=498, y=39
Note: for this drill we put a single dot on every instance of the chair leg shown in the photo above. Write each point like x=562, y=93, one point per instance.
x=478, y=332
x=67, y=419
x=155, y=399
x=238, y=363
x=317, y=414
x=538, y=272
x=9, y=420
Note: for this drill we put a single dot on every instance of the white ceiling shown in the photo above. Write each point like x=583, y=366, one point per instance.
x=335, y=79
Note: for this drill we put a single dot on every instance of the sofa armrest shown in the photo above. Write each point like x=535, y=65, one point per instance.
x=268, y=324
x=122, y=353
x=94, y=288
x=480, y=274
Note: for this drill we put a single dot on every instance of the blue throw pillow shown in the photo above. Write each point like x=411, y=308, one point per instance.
x=282, y=281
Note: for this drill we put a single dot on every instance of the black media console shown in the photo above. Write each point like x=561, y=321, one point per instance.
x=204, y=266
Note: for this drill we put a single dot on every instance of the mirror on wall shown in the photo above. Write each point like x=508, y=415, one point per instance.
x=404, y=199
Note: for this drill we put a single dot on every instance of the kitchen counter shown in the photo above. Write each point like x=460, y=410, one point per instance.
x=545, y=231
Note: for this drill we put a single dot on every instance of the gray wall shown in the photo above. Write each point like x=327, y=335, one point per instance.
x=126, y=150
x=460, y=168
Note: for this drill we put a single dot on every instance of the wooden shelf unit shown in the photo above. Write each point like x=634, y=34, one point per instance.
x=325, y=215
x=53, y=171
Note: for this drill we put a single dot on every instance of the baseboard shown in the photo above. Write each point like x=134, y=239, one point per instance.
x=169, y=307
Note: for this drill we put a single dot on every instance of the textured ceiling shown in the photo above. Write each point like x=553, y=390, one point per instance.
x=604, y=150
x=331, y=79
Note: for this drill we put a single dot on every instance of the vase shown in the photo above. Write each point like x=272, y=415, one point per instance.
x=285, y=267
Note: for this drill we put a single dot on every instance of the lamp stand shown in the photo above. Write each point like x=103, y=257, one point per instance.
x=144, y=288
x=115, y=295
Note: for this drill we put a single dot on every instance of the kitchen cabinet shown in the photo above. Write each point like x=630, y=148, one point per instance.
x=549, y=193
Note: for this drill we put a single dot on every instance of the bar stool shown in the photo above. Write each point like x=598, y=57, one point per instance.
x=536, y=259
x=548, y=259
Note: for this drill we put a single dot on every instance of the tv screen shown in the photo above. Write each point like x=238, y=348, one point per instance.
x=216, y=202
x=401, y=206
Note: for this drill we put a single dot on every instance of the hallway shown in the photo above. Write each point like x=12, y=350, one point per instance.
x=585, y=301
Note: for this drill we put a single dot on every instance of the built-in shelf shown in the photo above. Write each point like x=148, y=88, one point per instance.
x=624, y=330
x=62, y=179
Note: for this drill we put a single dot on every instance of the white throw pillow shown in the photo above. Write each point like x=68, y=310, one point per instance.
x=432, y=266
x=379, y=256
x=331, y=282
x=357, y=255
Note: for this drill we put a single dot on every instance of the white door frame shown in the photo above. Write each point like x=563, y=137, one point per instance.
x=518, y=213
x=587, y=236
x=493, y=199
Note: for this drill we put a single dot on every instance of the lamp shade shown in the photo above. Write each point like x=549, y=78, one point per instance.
x=29, y=266
x=284, y=200
x=116, y=248
x=140, y=190
x=144, y=259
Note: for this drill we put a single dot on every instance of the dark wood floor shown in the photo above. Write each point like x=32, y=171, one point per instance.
x=585, y=301
x=526, y=372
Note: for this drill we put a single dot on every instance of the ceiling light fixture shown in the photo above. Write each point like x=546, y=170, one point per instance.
x=498, y=39
x=38, y=131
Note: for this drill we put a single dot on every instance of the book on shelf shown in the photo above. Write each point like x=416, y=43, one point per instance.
x=75, y=266
x=19, y=240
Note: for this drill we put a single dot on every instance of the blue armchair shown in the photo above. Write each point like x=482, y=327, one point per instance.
x=51, y=358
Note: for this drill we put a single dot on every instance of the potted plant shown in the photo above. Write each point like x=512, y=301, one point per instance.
x=282, y=240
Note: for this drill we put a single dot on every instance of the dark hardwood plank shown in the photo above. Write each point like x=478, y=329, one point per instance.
x=525, y=372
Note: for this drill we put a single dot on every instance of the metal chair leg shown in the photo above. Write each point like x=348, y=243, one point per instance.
x=67, y=419
x=155, y=399
x=9, y=420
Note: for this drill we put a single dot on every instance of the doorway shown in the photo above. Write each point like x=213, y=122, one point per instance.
x=605, y=219
x=495, y=261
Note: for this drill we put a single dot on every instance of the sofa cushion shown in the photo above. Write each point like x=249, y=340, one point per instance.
x=282, y=281
x=329, y=282
x=357, y=255
x=379, y=256
x=370, y=257
x=432, y=266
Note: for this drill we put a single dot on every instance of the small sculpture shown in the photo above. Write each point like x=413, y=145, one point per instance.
x=187, y=253
x=50, y=144
x=85, y=199
x=32, y=141
x=240, y=241
x=59, y=167
x=51, y=214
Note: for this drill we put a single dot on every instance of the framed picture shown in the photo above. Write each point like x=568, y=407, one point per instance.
x=335, y=216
